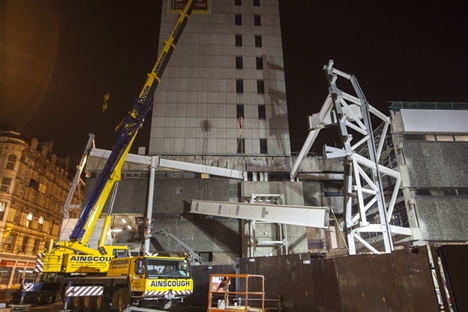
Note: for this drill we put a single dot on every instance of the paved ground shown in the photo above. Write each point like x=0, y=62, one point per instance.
x=57, y=307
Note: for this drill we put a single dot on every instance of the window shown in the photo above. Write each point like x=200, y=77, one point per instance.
x=240, y=110
x=256, y=2
x=259, y=62
x=257, y=20
x=40, y=225
x=5, y=275
x=24, y=245
x=239, y=62
x=237, y=2
x=461, y=138
x=17, y=217
x=240, y=146
x=5, y=186
x=414, y=137
x=2, y=210
x=206, y=256
x=37, y=243
x=29, y=219
x=261, y=112
x=238, y=19
x=258, y=41
x=445, y=138
x=263, y=146
x=240, y=86
x=21, y=188
x=11, y=162
x=260, y=87
x=9, y=242
x=238, y=40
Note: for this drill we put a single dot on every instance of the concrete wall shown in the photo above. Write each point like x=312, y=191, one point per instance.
x=432, y=168
x=443, y=218
x=225, y=238
x=221, y=237
x=436, y=164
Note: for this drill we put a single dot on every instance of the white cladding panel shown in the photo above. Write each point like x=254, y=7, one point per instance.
x=435, y=121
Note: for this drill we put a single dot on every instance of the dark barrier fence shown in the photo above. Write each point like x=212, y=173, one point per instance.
x=201, y=277
x=454, y=261
x=400, y=281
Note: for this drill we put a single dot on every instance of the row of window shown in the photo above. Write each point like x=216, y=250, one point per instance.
x=18, y=275
x=435, y=137
x=239, y=2
x=32, y=195
x=239, y=42
x=58, y=187
x=240, y=62
x=261, y=111
x=240, y=82
x=241, y=146
x=26, y=245
x=240, y=86
x=238, y=20
x=16, y=216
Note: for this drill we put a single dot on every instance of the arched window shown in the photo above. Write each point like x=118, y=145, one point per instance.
x=11, y=162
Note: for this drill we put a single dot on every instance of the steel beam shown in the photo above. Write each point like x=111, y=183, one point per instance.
x=316, y=217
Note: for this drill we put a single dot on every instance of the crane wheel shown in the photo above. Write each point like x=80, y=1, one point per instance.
x=89, y=304
x=123, y=299
x=102, y=304
x=76, y=305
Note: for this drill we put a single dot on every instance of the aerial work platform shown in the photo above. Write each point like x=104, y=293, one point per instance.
x=316, y=217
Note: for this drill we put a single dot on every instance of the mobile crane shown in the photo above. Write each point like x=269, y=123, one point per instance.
x=96, y=278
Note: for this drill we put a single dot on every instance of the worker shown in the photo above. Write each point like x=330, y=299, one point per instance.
x=224, y=285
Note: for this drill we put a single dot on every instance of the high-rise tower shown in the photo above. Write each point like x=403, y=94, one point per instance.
x=223, y=93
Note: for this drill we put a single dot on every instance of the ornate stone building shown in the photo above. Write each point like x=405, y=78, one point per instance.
x=34, y=185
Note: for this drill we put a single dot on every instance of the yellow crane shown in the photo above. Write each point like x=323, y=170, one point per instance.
x=94, y=278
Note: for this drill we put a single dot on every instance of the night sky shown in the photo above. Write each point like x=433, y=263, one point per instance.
x=59, y=59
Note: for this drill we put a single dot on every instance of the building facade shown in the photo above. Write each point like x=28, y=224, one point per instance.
x=431, y=147
x=223, y=92
x=34, y=186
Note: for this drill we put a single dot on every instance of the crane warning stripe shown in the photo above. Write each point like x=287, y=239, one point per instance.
x=78, y=291
x=39, y=263
x=161, y=293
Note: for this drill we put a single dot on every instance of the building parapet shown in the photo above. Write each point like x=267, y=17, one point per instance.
x=397, y=105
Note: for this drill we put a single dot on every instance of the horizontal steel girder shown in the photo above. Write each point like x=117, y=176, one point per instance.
x=315, y=217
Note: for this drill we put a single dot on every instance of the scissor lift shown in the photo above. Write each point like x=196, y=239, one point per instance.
x=236, y=292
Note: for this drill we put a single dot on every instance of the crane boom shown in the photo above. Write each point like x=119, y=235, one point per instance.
x=110, y=270
x=128, y=130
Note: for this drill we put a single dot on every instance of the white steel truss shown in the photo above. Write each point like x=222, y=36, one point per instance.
x=366, y=208
x=281, y=242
